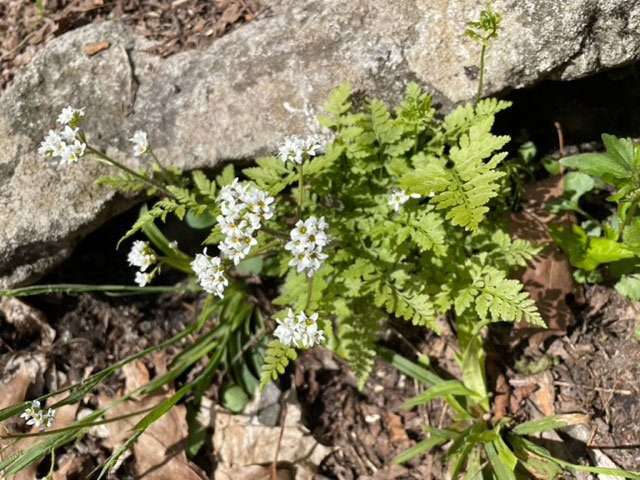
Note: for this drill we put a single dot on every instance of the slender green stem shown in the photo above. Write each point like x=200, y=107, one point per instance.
x=275, y=233
x=166, y=175
x=483, y=52
x=300, y=191
x=71, y=288
x=110, y=161
x=77, y=426
x=309, y=292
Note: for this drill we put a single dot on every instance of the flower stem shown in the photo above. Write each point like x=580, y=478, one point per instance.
x=275, y=233
x=301, y=191
x=110, y=161
x=309, y=292
x=483, y=52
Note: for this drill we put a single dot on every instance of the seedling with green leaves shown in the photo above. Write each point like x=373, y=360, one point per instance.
x=609, y=248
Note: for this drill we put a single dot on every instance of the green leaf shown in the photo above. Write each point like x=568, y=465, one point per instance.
x=588, y=252
x=276, y=359
x=200, y=221
x=553, y=422
x=598, y=165
x=227, y=176
x=440, y=390
x=435, y=438
x=466, y=186
x=234, y=398
x=498, y=462
x=576, y=184
x=620, y=149
x=629, y=286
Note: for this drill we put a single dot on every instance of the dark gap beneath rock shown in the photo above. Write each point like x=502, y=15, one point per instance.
x=606, y=102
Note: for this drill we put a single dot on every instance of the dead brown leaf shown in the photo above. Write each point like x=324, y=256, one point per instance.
x=240, y=441
x=548, y=278
x=159, y=453
x=91, y=49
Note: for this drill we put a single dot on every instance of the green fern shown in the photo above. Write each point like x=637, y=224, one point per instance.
x=358, y=327
x=463, y=184
x=271, y=174
x=501, y=299
x=276, y=359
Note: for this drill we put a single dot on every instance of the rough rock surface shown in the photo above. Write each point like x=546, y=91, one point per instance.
x=239, y=97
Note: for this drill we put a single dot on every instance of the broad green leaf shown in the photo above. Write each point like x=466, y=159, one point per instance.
x=200, y=220
x=598, y=165
x=234, y=398
x=619, y=149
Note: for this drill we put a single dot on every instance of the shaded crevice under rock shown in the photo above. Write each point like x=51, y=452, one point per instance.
x=608, y=102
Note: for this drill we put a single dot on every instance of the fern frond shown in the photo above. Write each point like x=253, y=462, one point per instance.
x=501, y=299
x=357, y=336
x=384, y=127
x=276, y=359
x=427, y=231
x=271, y=174
x=507, y=252
x=464, y=187
x=338, y=104
x=414, y=307
x=160, y=210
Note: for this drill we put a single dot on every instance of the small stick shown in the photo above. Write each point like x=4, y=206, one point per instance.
x=595, y=389
x=560, y=137
x=283, y=420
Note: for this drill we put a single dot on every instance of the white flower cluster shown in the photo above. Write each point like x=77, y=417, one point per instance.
x=308, y=239
x=210, y=273
x=244, y=207
x=398, y=197
x=297, y=149
x=64, y=143
x=37, y=416
x=140, y=143
x=299, y=330
x=142, y=256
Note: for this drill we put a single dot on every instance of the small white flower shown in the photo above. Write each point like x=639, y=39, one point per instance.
x=141, y=255
x=51, y=145
x=299, y=330
x=70, y=115
x=140, y=143
x=308, y=238
x=71, y=152
x=210, y=273
x=297, y=149
x=398, y=197
x=65, y=145
x=38, y=417
x=143, y=279
x=244, y=208
x=288, y=329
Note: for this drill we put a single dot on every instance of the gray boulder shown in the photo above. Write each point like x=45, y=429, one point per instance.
x=241, y=96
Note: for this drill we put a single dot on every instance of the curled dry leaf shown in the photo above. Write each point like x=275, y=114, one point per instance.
x=548, y=278
x=159, y=453
x=240, y=442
